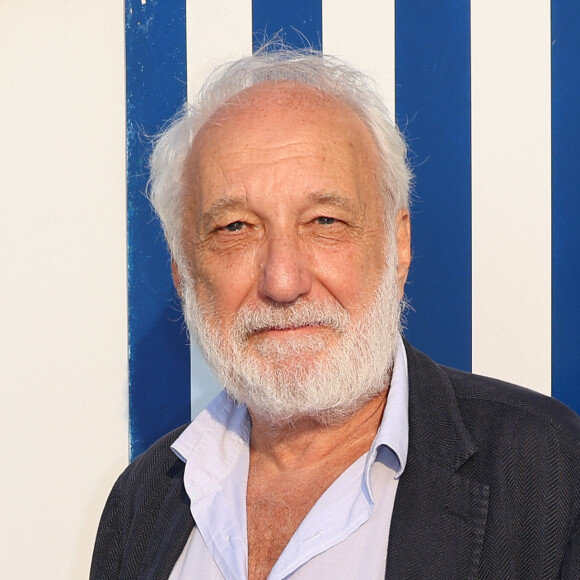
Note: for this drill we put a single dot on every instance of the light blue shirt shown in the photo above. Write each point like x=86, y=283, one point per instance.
x=345, y=535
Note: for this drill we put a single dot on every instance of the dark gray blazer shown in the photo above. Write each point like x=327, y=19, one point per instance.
x=491, y=490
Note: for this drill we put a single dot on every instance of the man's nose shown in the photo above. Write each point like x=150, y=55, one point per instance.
x=284, y=269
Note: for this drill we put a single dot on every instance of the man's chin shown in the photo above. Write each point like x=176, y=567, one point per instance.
x=298, y=387
x=289, y=371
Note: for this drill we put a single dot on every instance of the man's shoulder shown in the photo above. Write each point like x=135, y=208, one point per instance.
x=145, y=506
x=503, y=400
x=514, y=425
x=502, y=411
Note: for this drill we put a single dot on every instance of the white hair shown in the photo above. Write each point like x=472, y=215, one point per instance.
x=324, y=73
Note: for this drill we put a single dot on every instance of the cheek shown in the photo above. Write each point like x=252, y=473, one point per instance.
x=223, y=287
x=352, y=278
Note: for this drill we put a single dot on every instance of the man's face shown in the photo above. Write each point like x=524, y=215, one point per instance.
x=284, y=234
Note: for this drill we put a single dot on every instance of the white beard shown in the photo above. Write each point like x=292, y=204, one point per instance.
x=281, y=380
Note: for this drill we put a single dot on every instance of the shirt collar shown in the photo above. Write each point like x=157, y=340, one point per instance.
x=393, y=431
x=391, y=443
x=211, y=444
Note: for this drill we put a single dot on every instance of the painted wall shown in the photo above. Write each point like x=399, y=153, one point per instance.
x=63, y=354
x=63, y=367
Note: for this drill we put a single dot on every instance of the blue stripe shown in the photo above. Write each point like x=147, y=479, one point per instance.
x=565, y=202
x=433, y=102
x=299, y=22
x=158, y=354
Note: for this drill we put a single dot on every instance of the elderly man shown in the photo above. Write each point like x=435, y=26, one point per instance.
x=336, y=448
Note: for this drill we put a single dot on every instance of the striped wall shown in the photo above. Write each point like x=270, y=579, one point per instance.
x=485, y=93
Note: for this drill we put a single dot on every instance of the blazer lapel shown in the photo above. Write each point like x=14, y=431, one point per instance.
x=439, y=515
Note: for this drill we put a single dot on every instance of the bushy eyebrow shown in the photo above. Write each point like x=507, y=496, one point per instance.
x=332, y=198
x=219, y=208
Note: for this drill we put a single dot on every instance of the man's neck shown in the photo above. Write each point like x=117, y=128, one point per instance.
x=307, y=441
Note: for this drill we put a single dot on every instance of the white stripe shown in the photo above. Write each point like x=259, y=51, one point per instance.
x=63, y=367
x=511, y=190
x=217, y=31
x=363, y=33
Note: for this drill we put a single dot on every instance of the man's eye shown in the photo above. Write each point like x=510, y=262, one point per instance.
x=325, y=221
x=234, y=227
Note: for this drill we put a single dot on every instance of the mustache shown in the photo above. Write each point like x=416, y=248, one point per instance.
x=251, y=319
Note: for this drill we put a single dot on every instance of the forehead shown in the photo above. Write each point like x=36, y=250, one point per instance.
x=282, y=122
x=268, y=104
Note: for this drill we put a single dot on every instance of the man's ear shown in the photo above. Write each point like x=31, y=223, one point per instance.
x=176, y=277
x=403, y=225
